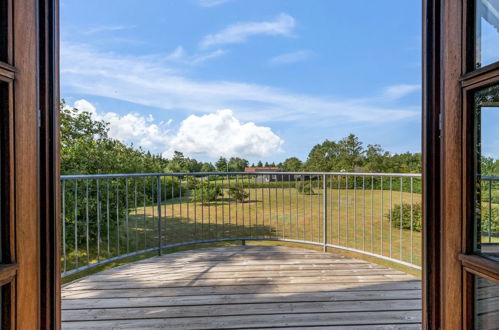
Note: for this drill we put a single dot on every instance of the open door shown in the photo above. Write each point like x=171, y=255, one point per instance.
x=480, y=103
x=463, y=274
x=19, y=272
x=27, y=294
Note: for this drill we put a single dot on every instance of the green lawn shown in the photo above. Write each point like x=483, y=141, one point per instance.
x=355, y=219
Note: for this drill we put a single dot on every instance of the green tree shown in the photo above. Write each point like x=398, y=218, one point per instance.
x=489, y=166
x=182, y=164
x=179, y=163
x=324, y=157
x=411, y=216
x=350, y=153
x=376, y=158
x=206, y=192
x=208, y=167
x=86, y=148
x=292, y=164
x=238, y=193
x=221, y=164
x=237, y=164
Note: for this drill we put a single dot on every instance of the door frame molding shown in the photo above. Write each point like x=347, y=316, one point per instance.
x=49, y=155
x=431, y=149
x=444, y=63
x=451, y=244
x=448, y=77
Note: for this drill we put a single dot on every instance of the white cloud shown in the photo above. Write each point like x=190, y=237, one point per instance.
x=106, y=28
x=290, y=58
x=85, y=106
x=212, y=3
x=203, y=58
x=399, y=91
x=151, y=81
x=179, y=55
x=282, y=25
x=212, y=135
x=130, y=128
x=222, y=134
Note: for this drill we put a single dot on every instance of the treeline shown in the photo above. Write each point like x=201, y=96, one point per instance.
x=489, y=166
x=349, y=155
x=86, y=148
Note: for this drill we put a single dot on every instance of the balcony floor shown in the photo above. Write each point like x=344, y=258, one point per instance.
x=245, y=287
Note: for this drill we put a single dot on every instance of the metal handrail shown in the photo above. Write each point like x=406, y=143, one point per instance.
x=198, y=174
x=490, y=178
x=108, y=217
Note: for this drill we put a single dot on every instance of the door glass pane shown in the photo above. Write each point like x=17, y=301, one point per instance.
x=486, y=304
x=487, y=32
x=486, y=107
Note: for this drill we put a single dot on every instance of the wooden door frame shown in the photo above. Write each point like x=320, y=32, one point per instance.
x=443, y=66
x=431, y=150
x=447, y=186
x=50, y=306
x=33, y=165
x=451, y=155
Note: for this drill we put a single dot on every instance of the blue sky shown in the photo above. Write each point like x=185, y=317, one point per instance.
x=260, y=79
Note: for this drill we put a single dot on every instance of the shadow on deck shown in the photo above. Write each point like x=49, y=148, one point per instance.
x=245, y=287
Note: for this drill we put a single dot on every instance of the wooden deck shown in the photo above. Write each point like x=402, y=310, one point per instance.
x=245, y=287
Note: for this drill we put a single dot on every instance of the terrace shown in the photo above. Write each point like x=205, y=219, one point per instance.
x=356, y=216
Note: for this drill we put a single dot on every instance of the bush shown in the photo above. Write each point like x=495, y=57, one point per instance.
x=494, y=224
x=191, y=182
x=495, y=196
x=206, y=192
x=238, y=194
x=417, y=216
x=171, y=187
x=305, y=188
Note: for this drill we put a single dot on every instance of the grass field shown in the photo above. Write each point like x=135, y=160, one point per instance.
x=355, y=219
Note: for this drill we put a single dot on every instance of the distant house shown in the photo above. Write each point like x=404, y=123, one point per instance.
x=268, y=177
x=359, y=169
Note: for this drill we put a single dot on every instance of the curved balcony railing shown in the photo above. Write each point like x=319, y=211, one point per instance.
x=110, y=217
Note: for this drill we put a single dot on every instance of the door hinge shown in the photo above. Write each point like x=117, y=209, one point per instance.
x=39, y=117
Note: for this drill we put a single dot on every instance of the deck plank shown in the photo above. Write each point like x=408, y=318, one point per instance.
x=245, y=287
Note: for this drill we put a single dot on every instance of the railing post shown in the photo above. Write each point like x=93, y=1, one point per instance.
x=489, y=229
x=324, y=211
x=159, y=212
